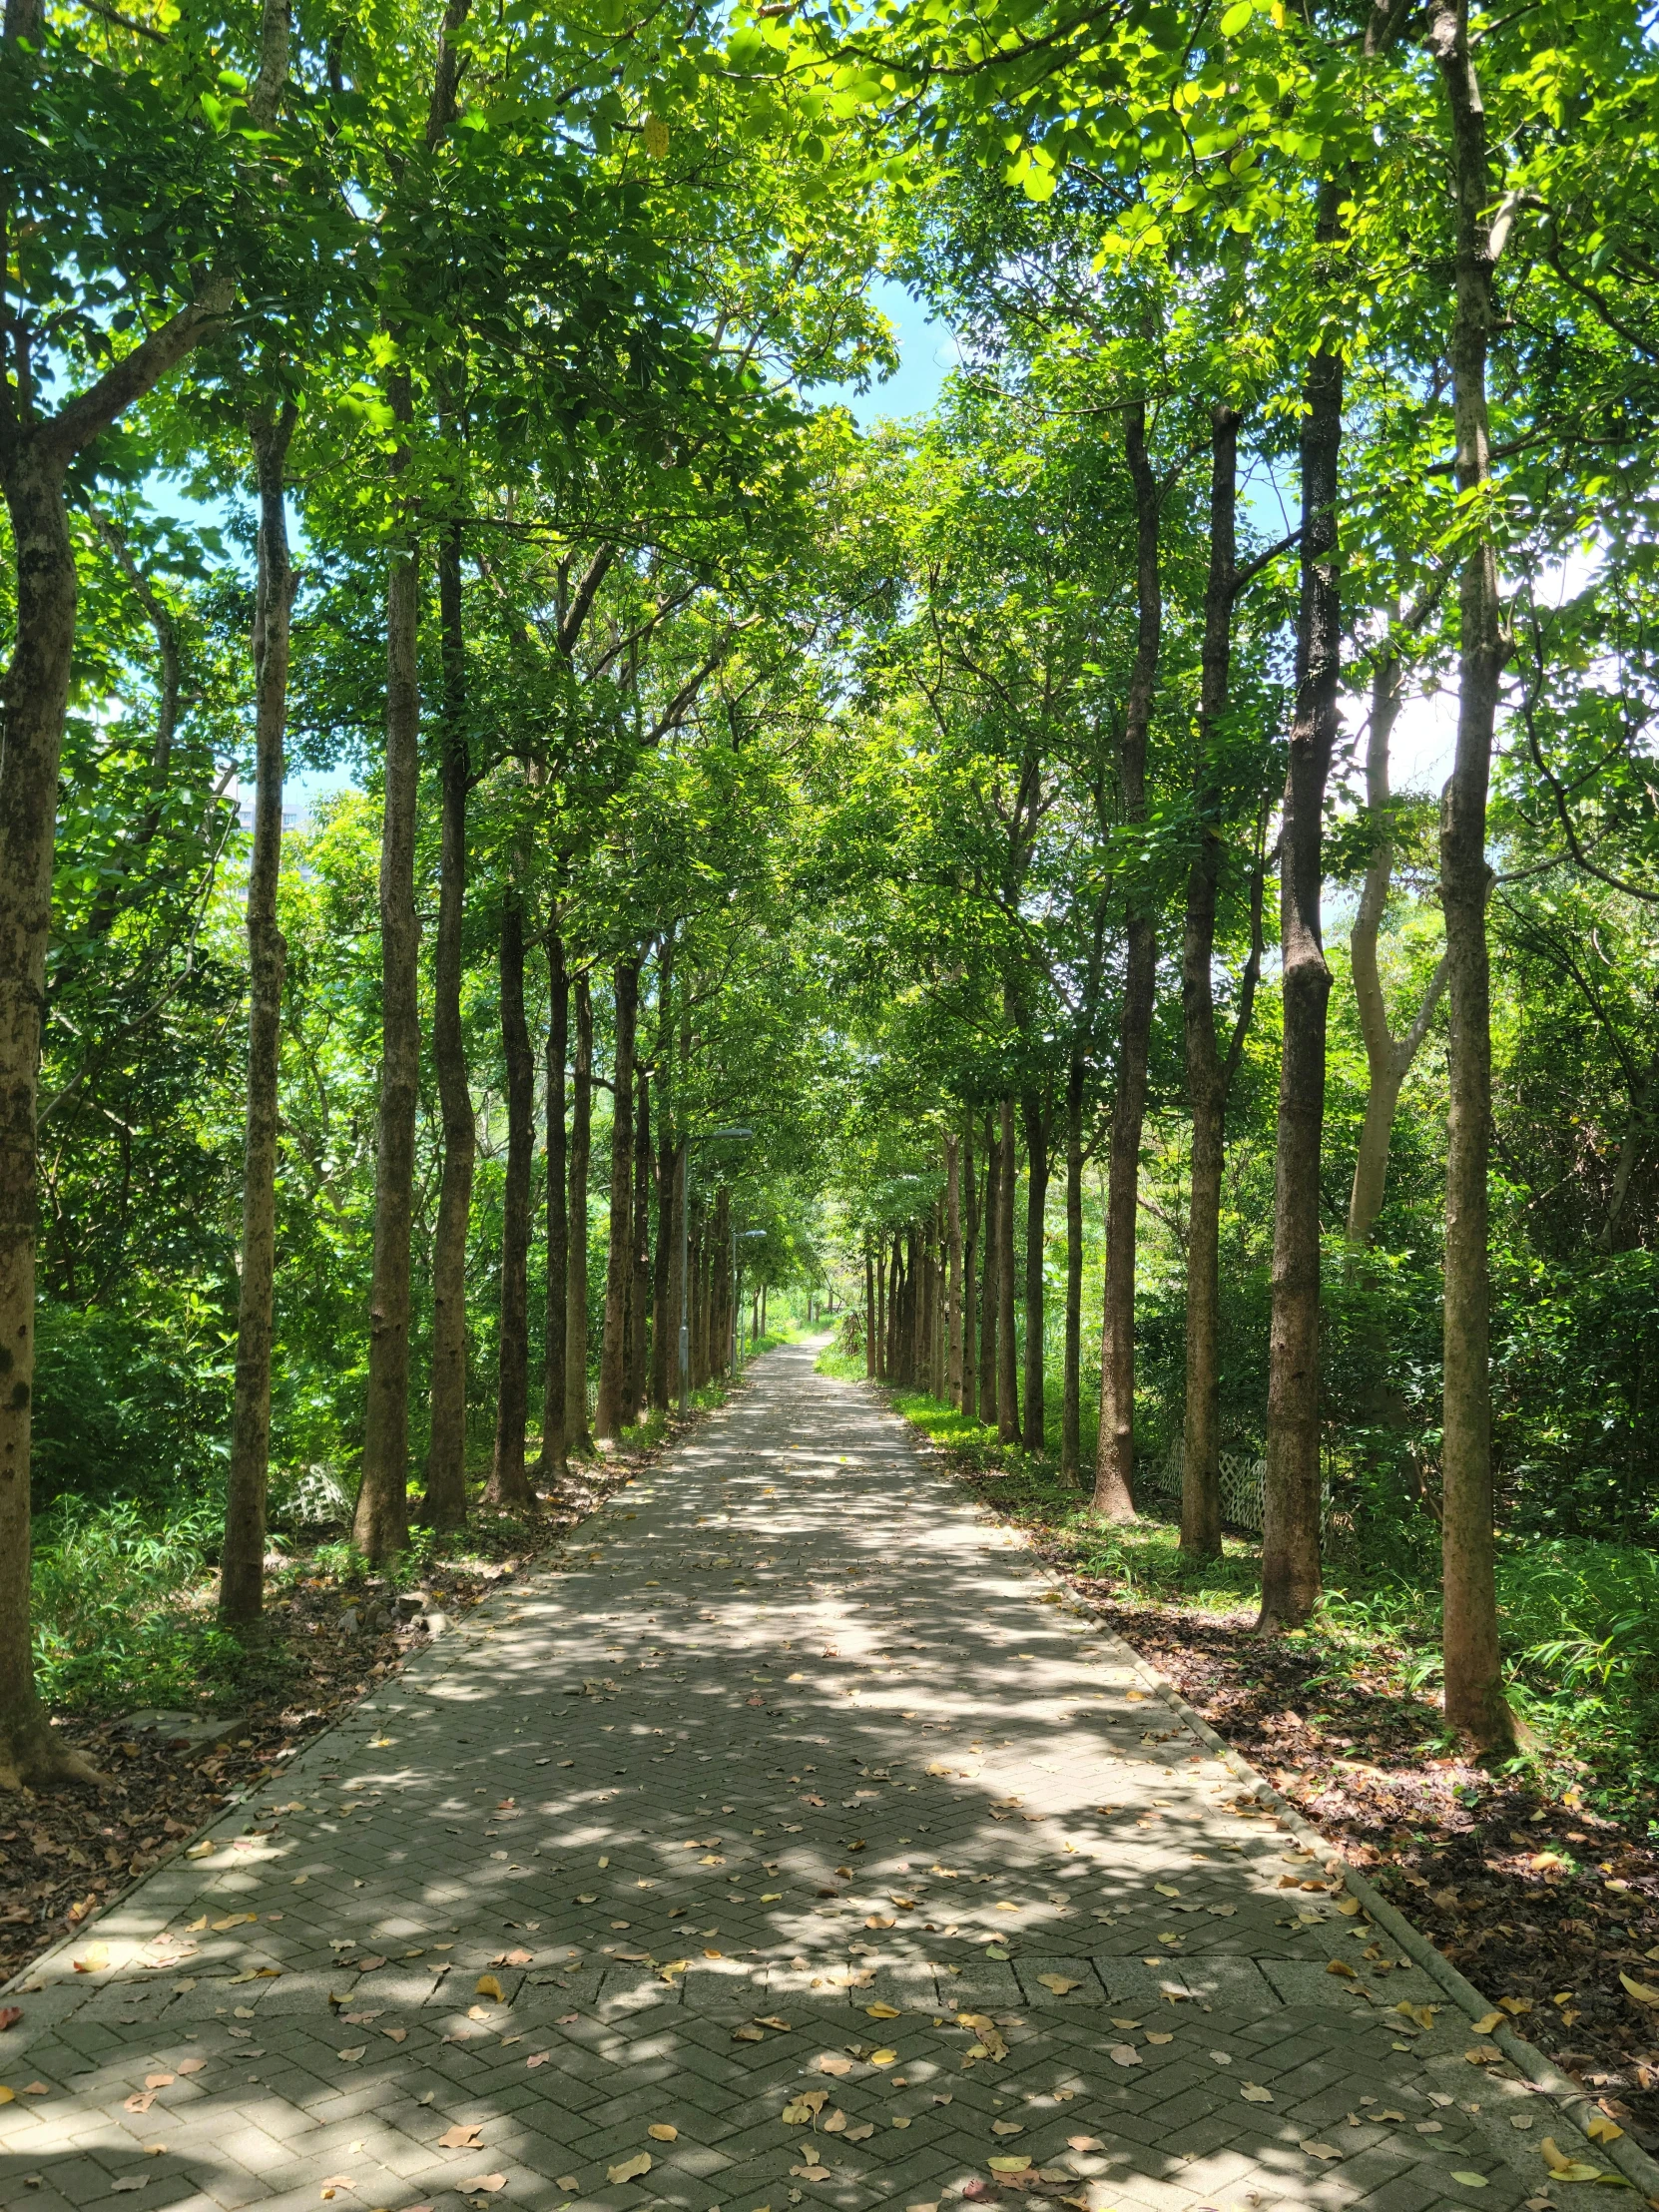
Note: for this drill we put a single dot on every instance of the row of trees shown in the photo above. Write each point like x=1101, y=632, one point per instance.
x=912, y=802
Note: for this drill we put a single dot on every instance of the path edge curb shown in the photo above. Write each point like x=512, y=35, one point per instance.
x=1641, y=2171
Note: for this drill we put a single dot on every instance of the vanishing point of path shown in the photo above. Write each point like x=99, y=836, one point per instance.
x=789, y=1835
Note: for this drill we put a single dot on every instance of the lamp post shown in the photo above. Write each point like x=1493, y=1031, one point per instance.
x=737, y=1291
x=738, y=1135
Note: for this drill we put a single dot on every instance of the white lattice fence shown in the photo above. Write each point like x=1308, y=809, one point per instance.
x=1243, y=1475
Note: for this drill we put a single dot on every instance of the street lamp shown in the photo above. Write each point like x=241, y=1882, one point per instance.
x=708, y=1137
x=737, y=1291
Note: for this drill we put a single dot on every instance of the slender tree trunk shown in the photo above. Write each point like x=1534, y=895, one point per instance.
x=508, y=1484
x=380, y=1526
x=1071, y=1406
x=881, y=1369
x=990, y=1299
x=637, y=1392
x=241, y=1568
x=1036, y=1216
x=1007, y=1343
x=1114, y=1486
x=953, y=1292
x=676, y=1312
x=720, y=1349
x=1206, y=1080
x=664, y=1300
x=619, y=1256
x=550, y=1468
x=577, y=1436
x=869, y=1313
x=1474, y=1699
x=446, y=1454
x=970, y=1261
x=1290, y=1506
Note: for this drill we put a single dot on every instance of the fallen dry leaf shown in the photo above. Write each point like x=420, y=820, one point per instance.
x=1124, y=2054
x=464, y=2135
x=660, y=2132
x=351, y=2056
x=629, y=2169
x=191, y=2065
x=1254, y=2093
x=1639, y=1990
x=10, y=2014
x=1009, y=2165
x=488, y=1986
x=1487, y=2021
x=491, y=2182
x=1006, y=2127
x=95, y=1958
x=1058, y=1983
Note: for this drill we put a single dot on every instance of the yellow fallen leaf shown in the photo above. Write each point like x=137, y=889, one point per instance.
x=1009, y=2165
x=488, y=1986
x=1153, y=2036
x=1340, y=1967
x=1638, y=1989
x=629, y=2169
x=660, y=2132
x=1008, y=2127
x=883, y=2057
x=200, y=1851
x=95, y=1958
x=1347, y=1905
x=1600, y=2130
x=1058, y=1983
x=1487, y=2021
x=7, y=2097
x=1471, y=2180
x=1254, y=2093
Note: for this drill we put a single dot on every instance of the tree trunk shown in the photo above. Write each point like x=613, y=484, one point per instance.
x=1474, y=1699
x=1114, y=1486
x=508, y=1487
x=970, y=1261
x=720, y=1349
x=990, y=1301
x=1291, y=1503
x=380, y=1526
x=242, y=1566
x=953, y=1287
x=675, y=1314
x=1071, y=1406
x=869, y=1313
x=550, y=1468
x=619, y=1250
x=577, y=1436
x=1036, y=1215
x=1206, y=1080
x=639, y=1305
x=1008, y=1344
x=446, y=1452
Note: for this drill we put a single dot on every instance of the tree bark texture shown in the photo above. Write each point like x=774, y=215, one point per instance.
x=380, y=1526
x=509, y=1485
x=550, y=1468
x=619, y=1249
x=577, y=1437
x=953, y=1294
x=1474, y=1699
x=1114, y=1486
x=970, y=1284
x=1207, y=1076
x=675, y=1310
x=446, y=1451
x=1071, y=1392
x=242, y=1565
x=1007, y=1349
x=1290, y=1506
x=989, y=1298
x=1036, y=1215
x=639, y=1298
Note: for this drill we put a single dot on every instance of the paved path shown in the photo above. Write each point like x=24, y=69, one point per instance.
x=793, y=1813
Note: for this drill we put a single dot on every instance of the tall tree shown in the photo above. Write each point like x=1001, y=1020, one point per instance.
x=241, y=1568
x=508, y=1484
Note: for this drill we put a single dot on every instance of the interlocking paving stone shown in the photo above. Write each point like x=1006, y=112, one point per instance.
x=775, y=1739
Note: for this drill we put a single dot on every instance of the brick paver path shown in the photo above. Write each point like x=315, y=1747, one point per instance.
x=794, y=1787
